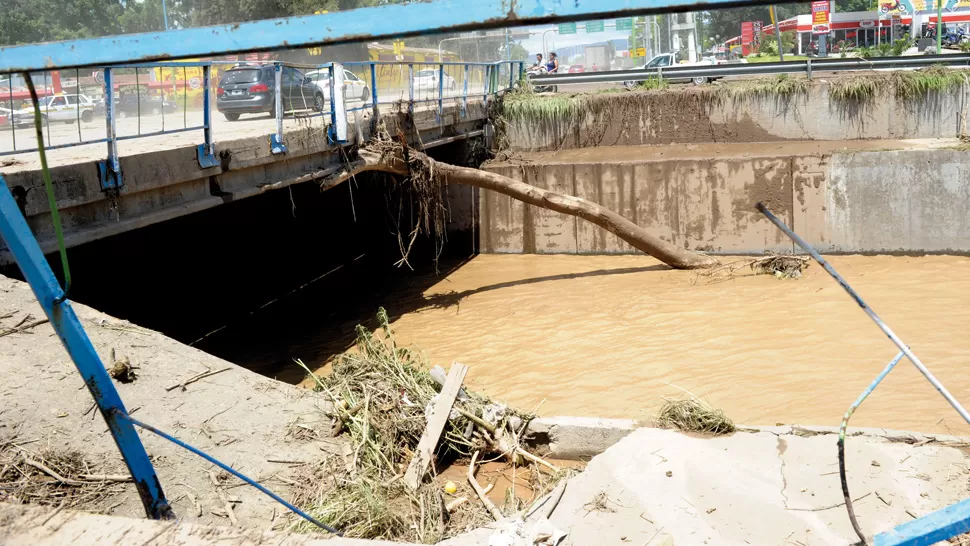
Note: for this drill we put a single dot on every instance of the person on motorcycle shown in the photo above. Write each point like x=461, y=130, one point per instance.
x=553, y=65
x=538, y=62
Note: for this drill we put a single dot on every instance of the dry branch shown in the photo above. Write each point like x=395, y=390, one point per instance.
x=495, y=512
x=20, y=328
x=389, y=157
x=196, y=377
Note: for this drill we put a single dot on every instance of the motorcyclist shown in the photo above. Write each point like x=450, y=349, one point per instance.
x=553, y=65
x=538, y=63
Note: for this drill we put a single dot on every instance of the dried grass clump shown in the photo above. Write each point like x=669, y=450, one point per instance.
x=694, y=415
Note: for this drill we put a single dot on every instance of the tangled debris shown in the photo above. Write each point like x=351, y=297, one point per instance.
x=54, y=478
x=381, y=395
x=782, y=266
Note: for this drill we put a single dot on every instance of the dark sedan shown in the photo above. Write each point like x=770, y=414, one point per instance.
x=252, y=90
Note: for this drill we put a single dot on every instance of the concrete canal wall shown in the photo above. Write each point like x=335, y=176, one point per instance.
x=851, y=197
x=712, y=114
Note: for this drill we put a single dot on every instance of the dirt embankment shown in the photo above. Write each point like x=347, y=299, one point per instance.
x=263, y=428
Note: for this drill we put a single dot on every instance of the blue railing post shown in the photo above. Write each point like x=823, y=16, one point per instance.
x=109, y=170
x=511, y=77
x=486, y=75
x=373, y=85
x=521, y=70
x=338, y=105
x=29, y=257
x=411, y=89
x=464, y=94
x=441, y=91
x=207, y=151
x=276, y=140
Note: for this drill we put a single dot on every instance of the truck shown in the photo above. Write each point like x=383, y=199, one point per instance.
x=672, y=59
x=597, y=58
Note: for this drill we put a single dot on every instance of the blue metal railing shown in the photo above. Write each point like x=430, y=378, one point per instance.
x=365, y=87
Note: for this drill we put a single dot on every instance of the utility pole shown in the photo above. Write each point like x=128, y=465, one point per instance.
x=777, y=25
x=939, y=27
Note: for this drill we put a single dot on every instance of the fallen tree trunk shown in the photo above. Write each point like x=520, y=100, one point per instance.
x=394, y=162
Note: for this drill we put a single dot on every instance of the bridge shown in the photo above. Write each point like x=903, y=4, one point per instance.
x=134, y=171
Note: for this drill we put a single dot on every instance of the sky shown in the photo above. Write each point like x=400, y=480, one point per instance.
x=554, y=40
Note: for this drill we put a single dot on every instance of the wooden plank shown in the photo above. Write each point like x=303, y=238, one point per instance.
x=436, y=426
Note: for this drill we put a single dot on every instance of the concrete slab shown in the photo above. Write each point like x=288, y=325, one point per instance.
x=754, y=488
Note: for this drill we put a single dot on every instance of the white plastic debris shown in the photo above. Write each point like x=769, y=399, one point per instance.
x=539, y=532
x=544, y=533
x=493, y=413
x=440, y=376
x=429, y=409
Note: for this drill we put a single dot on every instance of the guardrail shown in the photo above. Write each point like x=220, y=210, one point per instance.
x=806, y=67
x=190, y=91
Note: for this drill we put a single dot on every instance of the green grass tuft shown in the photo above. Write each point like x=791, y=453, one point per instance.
x=782, y=85
x=910, y=85
x=863, y=90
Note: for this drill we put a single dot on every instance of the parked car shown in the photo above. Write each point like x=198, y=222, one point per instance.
x=670, y=59
x=66, y=108
x=428, y=79
x=577, y=69
x=252, y=90
x=131, y=104
x=354, y=87
x=13, y=118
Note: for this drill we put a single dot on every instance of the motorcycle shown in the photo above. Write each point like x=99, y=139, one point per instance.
x=537, y=71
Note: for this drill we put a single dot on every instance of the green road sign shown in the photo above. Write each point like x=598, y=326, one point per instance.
x=624, y=24
x=567, y=28
x=594, y=26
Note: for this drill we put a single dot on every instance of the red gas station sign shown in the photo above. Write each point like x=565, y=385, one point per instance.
x=820, y=17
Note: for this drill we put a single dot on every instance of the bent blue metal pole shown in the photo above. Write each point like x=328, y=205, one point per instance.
x=25, y=250
x=230, y=470
x=868, y=310
x=841, y=443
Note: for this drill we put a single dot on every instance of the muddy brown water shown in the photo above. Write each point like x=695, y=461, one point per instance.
x=610, y=336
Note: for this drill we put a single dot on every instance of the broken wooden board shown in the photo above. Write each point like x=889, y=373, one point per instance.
x=436, y=426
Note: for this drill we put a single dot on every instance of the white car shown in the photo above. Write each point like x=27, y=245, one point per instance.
x=354, y=87
x=66, y=108
x=428, y=79
x=13, y=118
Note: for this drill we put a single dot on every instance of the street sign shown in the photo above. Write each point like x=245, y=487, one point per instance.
x=624, y=24
x=820, y=17
x=594, y=26
x=641, y=52
x=567, y=28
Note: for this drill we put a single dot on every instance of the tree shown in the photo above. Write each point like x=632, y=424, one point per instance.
x=384, y=156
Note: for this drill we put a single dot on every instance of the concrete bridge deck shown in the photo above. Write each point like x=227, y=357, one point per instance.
x=163, y=179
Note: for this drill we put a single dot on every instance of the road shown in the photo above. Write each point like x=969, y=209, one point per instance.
x=129, y=127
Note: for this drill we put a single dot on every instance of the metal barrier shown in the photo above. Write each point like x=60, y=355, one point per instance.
x=806, y=67
x=334, y=91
